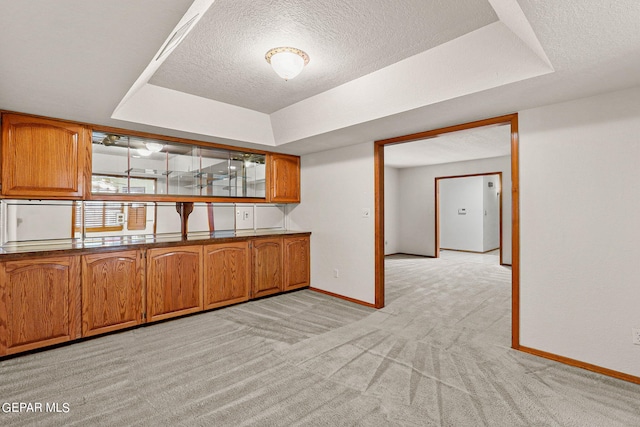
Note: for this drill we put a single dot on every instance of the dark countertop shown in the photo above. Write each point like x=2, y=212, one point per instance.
x=103, y=244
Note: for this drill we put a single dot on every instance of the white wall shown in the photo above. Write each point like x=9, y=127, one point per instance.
x=580, y=198
x=462, y=231
x=491, y=224
x=417, y=197
x=38, y=220
x=336, y=186
x=391, y=211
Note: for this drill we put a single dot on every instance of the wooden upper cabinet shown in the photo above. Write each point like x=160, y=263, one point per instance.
x=111, y=291
x=174, y=282
x=43, y=158
x=227, y=274
x=284, y=178
x=267, y=267
x=39, y=303
x=297, y=262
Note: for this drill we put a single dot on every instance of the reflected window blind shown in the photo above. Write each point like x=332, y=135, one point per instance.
x=137, y=217
x=100, y=216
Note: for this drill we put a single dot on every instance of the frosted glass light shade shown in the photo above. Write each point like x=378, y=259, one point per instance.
x=154, y=147
x=287, y=62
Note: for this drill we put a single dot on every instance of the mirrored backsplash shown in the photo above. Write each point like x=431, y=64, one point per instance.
x=25, y=221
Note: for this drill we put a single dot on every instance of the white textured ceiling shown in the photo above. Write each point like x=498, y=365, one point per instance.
x=93, y=61
x=470, y=144
x=222, y=58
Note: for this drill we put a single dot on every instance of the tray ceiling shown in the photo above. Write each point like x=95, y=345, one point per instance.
x=222, y=58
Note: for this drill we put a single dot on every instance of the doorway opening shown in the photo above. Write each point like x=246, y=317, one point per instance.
x=510, y=120
x=468, y=211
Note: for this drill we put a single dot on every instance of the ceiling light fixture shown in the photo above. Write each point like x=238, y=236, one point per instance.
x=287, y=62
x=154, y=147
x=110, y=139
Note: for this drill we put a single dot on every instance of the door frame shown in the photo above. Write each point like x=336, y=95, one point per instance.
x=437, y=207
x=378, y=156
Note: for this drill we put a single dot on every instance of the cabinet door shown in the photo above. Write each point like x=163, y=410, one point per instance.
x=39, y=303
x=174, y=282
x=284, y=178
x=296, y=262
x=227, y=274
x=111, y=291
x=44, y=158
x=267, y=267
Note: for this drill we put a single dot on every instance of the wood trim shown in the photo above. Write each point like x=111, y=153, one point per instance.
x=142, y=277
x=210, y=218
x=408, y=254
x=582, y=365
x=510, y=119
x=85, y=180
x=470, y=252
x=500, y=120
x=500, y=207
x=268, y=182
x=470, y=175
x=515, y=234
x=437, y=211
x=73, y=218
x=378, y=167
x=331, y=294
x=122, y=197
x=75, y=292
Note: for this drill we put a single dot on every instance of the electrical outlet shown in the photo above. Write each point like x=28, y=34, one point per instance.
x=635, y=336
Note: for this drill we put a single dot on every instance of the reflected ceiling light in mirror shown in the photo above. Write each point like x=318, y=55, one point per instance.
x=143, y=152
x=287, y=62
x=110, y=139
x=154, y=147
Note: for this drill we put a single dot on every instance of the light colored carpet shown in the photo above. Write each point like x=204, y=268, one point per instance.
x=437, y=355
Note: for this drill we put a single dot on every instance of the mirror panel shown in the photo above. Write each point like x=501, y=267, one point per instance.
x=123, y=164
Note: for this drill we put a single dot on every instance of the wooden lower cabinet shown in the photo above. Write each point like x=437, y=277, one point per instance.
x=39, y=303
x=51, y=300
x=112, y=289
x=174, y=282
x=297, y=262
x=227, y=274
x=267, y=266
